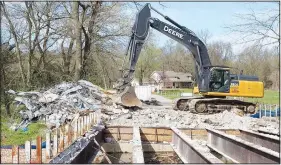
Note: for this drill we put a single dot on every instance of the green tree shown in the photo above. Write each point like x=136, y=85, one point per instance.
x=148, y=62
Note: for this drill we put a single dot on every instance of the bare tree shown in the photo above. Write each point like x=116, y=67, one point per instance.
x=204, y=35
x=49, y=15
x=220, y=52
x=257, y=61
x=16, y=40
x=78, y=38
x=177, y=58
x=148, y=62
x=262, y=28
x=88, y=35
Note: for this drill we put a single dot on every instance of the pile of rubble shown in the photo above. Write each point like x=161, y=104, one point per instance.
x=67, y=101
x=61, y=103
x=167, y=117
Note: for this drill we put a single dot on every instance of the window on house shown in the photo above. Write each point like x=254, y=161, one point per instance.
x=185, y=84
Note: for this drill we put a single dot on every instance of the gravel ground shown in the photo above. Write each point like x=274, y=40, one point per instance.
x=162, y=99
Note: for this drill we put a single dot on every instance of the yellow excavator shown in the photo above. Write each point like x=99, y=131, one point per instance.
x=214, y=83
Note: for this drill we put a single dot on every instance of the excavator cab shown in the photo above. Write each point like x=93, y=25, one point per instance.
x=219, y=80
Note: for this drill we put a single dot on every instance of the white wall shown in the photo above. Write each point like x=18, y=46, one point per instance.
x=143, y=92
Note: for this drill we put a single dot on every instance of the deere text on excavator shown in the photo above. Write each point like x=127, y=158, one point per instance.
x=214, y=83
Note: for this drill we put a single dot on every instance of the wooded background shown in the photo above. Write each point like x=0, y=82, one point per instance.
x=68, y=41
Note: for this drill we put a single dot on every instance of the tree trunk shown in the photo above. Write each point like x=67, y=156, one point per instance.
x=103, y=76
x=104, y=81
x=46, y=38
x=3, y=87
x=29, y=64
x=141, y=75
x=66, y=57
x=1, y=77
x=7, y=104
x=78, y=38
x=88, y=36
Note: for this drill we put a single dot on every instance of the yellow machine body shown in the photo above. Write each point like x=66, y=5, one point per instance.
x=241, y=88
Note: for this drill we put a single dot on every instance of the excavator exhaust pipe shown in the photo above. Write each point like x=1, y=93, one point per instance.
x=128, y=98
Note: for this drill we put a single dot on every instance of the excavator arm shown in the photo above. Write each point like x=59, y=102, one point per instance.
x=179, y=33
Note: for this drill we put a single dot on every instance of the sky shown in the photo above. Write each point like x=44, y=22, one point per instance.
x=211, y=16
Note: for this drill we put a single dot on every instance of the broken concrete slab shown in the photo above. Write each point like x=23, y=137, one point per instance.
x=60, y=102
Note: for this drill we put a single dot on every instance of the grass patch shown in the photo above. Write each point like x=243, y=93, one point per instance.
x=174, y=93
x=9, y=137
x=270, y=96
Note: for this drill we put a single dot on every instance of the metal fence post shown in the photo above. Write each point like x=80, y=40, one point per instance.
x=27, y=152
x=90, y=119
x=94, y=118
x=61, y=141
x=270, y=112
x=265, y=110
x=78, y=127
x=88, y=123
x=84, y=124
x=67, y=135
x=15, y=154
x=48, y=145
x=55, y=146
x=81, y=125
x=75, y=130
x=260, y=110
x=276, y=108
x=39, y=150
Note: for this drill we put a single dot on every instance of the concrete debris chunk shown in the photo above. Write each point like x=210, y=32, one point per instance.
x=60, y=104
x=48, y=97
x=11, y=92
x=74, y=89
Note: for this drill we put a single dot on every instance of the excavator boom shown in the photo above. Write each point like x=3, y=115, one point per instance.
x=140, y=32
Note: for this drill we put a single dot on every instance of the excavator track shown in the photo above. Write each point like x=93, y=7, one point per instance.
x=203, y=105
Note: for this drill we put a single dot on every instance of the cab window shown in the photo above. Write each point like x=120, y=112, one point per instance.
x=219, y=81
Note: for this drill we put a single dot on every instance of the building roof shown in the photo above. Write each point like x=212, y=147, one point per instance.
x=175, y=76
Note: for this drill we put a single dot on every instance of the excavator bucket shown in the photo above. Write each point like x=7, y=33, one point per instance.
x=128, y=98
